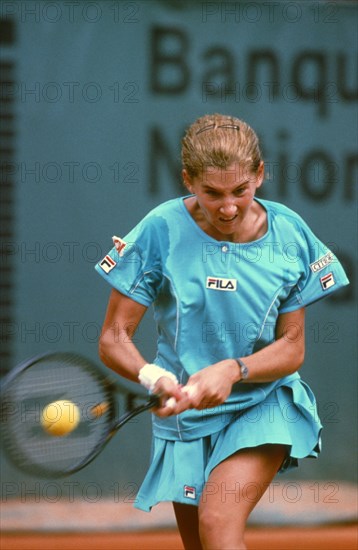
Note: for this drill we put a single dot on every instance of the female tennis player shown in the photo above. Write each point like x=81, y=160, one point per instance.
x=229, y=277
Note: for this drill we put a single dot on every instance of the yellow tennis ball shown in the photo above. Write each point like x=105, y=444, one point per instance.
x=60, y=417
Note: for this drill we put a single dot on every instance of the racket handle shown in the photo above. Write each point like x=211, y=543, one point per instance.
x=189, y=390
x=171, y=402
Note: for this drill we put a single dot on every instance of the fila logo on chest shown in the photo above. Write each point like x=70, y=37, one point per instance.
x=218, y=283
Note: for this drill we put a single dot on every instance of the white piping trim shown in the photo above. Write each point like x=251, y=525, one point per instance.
x=269, y=309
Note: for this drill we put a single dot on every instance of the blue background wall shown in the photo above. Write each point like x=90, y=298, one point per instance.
x=101, y=93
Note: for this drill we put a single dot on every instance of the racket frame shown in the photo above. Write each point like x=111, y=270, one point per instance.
x=115, y=422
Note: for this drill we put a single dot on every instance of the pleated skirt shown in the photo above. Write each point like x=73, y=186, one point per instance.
x=180, y=469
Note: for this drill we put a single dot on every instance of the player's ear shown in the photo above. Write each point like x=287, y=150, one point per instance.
x=187, y=181
x=260, y=174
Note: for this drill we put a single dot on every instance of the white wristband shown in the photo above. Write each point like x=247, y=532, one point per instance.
x=149, y=375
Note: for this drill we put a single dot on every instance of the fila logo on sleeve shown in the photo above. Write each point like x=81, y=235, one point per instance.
x=327, y=281
x=217, y=283
x=107, y=264
x=189, y=492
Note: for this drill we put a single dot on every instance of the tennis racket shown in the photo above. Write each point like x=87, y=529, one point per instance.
x=70, y=378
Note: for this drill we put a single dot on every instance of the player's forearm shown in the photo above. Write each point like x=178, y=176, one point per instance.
x=283, y=356
x=279, y=359
x=117, y=351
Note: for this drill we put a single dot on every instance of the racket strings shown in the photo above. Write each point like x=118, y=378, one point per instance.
x=45, y=382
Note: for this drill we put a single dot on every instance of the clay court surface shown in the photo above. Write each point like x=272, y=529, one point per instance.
x=285, y=524
x=328, y=538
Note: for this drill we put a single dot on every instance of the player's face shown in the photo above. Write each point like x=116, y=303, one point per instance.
x=225, y=197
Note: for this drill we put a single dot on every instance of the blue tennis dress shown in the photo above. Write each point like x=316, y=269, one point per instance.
x=215, y=300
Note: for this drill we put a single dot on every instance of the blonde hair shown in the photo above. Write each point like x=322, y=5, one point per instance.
x=219, y=141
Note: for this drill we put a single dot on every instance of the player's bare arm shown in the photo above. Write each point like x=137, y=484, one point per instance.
x=118, y=352
x=116, y=348
x=285, y=355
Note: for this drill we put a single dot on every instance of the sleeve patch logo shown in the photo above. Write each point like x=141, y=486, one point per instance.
x=107, y=264
x=322, y=262
x=189, y=492
x=216, y=283
x=120, y=244
x=327, y=281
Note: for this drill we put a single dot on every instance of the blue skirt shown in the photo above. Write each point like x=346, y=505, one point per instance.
x=180, y=469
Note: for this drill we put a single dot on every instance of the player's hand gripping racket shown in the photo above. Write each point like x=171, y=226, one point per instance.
x=58, y=412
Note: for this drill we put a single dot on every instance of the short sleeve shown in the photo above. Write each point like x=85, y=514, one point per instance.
x=133, y=265
x=320, y=272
